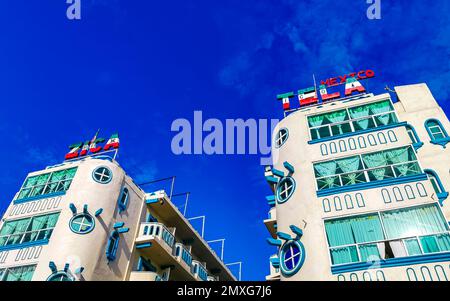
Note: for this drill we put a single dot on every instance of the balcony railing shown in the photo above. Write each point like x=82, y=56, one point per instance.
x=199, y=270
x=183, y=253
x=158, y=230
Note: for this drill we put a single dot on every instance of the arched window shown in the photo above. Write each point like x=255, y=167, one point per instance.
x=113, y=244
x=437, y=185
x=123, y=199
x=437, y=132
x=292, y=257
x=415, y=140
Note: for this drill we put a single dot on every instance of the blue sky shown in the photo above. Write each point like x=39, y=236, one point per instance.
x=135, y=66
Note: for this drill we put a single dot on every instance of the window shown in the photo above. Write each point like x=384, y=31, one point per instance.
x=415, y=140
x=102, y=175
x=352, y=119
x=281, y=137
x=437, y=185
x=29, y=230
x=390, y=234
x=82, y=223
x=292, y=256
x=123, y=199
x=23, y=273
x=46, y=184
x=285, y=189
x=113, y=244
x=365, y=168
x=60, y=276
x=435, y=129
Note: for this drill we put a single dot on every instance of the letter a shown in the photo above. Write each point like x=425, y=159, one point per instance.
x=74, y=9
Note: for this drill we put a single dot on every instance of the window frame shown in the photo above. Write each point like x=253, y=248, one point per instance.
x=5, y=271
x=84, y=215
x=365, y=170
x=302, y=253
x=439, y=141
x=47, y=184
x=402, y=239
x=27, y=232
x=278, y=137
x=124, y=204
x=294, y=185
x=113, y=243
x=94, y=172
x=60, y=274
x=350, y=120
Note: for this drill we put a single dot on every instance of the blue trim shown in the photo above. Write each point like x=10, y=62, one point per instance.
x=123, y=205
x=272, y=180
x=119, y=225
x=52, y=267
x=443, y=195
x=25, y=245
x=380, y=128
x=38, y=197
x=278, y=172
x=374, y=184
x=123, y=230
x=289, y=167
x=297, y=231
x=392, y=262
x=274, y=242
x=443, y=141
x=114, y=239
x=152, y=201
x=284, y=270
x=144, y=245
x=419, y=143
x=98, y=212
x=73, y=208
x=284, y=236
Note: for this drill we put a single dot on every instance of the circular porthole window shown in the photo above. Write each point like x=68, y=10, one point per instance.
x=102, y=175
x=82, y=223
x=281, y=137
x=60, y=276
x=292, y=257
x=285, y=189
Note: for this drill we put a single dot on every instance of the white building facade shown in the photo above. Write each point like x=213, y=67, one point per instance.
x=87, y=220
x=360, y=190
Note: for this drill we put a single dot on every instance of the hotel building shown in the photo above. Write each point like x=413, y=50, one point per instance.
x=86, y=219
x=360, y=190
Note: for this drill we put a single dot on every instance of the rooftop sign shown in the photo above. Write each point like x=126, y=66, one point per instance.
x=310, y=96
x=92, y=147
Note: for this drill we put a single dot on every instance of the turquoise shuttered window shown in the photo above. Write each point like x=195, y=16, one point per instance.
x=29, y=230
x=370, y=167
x=353, y=119
x=46, y=184
x=396, y=233
x=22, y=273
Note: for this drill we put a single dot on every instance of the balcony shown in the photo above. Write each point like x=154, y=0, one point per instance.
x=199, y=271
x=143, y=276
x=271, y=222
x=274, y=269
x=157, y=242
x=183, y=256
x=161, y=204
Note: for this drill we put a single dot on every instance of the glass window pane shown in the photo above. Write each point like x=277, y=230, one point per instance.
x=412, y=245
x=344, y=255
x=411, y=222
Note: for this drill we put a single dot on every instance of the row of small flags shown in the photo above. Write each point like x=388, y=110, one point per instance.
x=309, y=96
